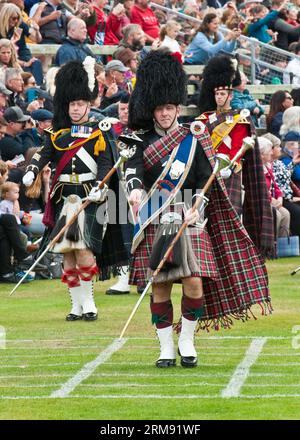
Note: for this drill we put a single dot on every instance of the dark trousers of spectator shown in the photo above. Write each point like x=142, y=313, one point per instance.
x=37, y=71
x=10, y=240
x=294, y=209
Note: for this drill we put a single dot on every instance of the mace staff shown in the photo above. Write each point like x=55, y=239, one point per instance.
x=125, y=154
x=295, y=271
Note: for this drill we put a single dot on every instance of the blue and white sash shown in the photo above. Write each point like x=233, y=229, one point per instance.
x=166, y=187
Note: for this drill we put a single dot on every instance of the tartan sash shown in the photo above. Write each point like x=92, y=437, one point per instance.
x=165, y=187
x=163, y=146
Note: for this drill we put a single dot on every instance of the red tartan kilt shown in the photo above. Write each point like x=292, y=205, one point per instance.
x=202, y=248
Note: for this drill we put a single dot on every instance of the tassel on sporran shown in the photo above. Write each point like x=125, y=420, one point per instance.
x=181, y=262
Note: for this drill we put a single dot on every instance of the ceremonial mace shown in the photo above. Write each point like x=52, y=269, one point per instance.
x=222, y=162
x=295, y=271
x=125, y=154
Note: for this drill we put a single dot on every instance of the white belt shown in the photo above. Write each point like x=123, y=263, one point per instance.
x=76, y=178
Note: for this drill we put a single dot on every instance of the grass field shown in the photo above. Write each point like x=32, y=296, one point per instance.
x=52, y=369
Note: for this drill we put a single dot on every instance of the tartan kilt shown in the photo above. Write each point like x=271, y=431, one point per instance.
x=92, y=228
x=201, y=245
x=234, y=190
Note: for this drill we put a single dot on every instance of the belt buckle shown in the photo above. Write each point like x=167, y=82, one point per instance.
x=74, y=178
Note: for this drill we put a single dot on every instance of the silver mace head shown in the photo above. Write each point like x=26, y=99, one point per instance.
x=127, y=153
x=222, y=161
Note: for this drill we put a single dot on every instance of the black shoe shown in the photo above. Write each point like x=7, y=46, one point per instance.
x=90, y=316
x=116, y=292
x=165, y=363
x=188, y=361
x=13, y=278
x=72, y=317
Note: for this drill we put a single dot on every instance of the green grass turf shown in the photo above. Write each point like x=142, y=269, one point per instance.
x=43, y=351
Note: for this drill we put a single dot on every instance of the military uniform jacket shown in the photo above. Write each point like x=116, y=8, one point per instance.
x=76, y=166
x=137, y=177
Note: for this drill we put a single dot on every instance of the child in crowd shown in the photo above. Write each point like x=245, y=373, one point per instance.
x=10, y=202
x=168, y=35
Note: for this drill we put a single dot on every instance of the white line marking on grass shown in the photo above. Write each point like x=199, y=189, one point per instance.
x=26, y=376
x=242, y=370
x=150, y=385
x=155, y=396
x=88, y=369
x=287, y=364
x=40, y=365
x=135, y=338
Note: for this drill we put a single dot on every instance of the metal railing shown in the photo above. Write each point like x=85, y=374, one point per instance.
x=267, y=63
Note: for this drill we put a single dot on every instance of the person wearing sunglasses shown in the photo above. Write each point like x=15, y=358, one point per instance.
x=280, y=101
x=11, y=144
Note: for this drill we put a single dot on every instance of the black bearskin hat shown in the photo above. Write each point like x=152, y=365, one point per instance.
x=220, y=72
x=160, y=80
x=72, y=84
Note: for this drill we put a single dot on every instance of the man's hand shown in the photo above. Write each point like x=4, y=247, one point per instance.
x=191, y=217
x=135, y=197
x=226, y=173
x=98, y=195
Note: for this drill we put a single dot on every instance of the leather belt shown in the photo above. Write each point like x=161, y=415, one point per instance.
x=76, y=178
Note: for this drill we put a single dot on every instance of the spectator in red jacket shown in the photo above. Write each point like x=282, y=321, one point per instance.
x=96, y=31
x=116, y=21
x=141, y=14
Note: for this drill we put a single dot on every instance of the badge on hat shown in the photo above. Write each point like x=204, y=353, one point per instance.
x=105, y=124
x=245, y=113
x=197, y=128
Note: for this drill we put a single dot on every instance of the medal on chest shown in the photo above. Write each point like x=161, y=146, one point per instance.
x=81, y=131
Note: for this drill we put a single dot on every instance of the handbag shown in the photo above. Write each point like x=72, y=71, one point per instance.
x=288, y=246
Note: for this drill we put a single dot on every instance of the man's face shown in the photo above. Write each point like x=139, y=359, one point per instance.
x=165, y=115
x=79, y=32
x=123, y=113
x=223, y=98
x=142, y=3
x=79, y=111
x=16, y=127
x=118, y=77
x=16, y=84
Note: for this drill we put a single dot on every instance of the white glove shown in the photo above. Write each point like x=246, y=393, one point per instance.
x=98, y=195
x=28, y=178
x=135, y=197
x=249, y=141
x=191, y=217
x=225, y=173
